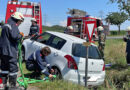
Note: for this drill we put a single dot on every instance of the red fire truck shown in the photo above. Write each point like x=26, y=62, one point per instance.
x=29, y=10
x=84, y=25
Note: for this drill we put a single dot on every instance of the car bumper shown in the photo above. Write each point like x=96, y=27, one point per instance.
x=79, y=78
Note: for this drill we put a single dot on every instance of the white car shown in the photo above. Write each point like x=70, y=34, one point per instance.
x=68, y=57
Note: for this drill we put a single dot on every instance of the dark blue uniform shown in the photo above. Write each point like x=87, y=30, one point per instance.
x=34, y=29
x=9, y=49
x=127, y=40
x=37, y=62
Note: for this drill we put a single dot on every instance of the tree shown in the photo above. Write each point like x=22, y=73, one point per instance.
x=123, y=5
x=116, y=18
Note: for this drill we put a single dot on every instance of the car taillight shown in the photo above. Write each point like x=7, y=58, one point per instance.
x=103, y=69
x=1, y=81
x=71, y=62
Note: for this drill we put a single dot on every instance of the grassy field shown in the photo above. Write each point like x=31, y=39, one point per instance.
x=117, y=77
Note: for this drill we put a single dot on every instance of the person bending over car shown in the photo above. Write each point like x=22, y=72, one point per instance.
x=37, y=62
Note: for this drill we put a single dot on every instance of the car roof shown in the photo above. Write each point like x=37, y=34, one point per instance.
x=68, y=37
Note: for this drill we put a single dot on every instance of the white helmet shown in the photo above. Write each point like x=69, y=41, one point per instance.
x=70, y=27
x=100, y=28
x=33, y=20
x=18, y=16
x=128, y=28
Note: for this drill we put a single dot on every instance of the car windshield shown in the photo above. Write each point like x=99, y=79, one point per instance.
x=80, y=51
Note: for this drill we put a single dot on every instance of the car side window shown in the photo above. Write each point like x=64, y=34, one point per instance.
x=44, y=38
x=57, y=43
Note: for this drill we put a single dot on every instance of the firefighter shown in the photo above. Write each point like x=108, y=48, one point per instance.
x=101, y=40
x=34, y=29
x=69, y=30
x=37, y=62
x=8, y=49
x=127, y=40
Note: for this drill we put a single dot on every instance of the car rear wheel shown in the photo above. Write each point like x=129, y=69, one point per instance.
x=57, y=73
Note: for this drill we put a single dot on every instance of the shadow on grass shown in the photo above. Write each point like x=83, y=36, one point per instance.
x=118, y=67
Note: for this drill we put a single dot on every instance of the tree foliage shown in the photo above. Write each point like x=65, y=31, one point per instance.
x=123, y=5
x=116, y=18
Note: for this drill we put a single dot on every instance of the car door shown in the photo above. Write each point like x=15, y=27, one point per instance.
x=39, y=42
x=56, y=56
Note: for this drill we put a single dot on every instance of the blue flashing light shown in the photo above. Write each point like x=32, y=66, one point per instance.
x=87, y=15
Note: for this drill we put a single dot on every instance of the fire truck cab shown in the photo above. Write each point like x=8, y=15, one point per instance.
x=29, y=10
x=81, y=25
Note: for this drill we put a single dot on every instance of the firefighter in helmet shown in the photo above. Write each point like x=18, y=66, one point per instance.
x=101, y=40
x=69, y=30
x=38, y=63
x=127, y=40
x=10, y=36
x=34, y=29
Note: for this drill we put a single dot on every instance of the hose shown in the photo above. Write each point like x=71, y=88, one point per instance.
x=25, y=84
x=22, y=80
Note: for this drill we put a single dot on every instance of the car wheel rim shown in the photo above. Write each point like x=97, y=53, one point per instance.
x=57, y=73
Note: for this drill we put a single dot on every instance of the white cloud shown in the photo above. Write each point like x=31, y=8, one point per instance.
x=63, y=23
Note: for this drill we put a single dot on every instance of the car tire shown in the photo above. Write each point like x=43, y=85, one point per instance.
x=57, y=73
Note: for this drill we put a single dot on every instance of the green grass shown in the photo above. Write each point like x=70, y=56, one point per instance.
x=117, y=77
x=116, y=33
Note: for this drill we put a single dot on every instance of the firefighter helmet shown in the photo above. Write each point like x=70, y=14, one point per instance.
x=70, y=27
x=128, y=28
x=18, y=16
x=33, y=20
x=100, y=28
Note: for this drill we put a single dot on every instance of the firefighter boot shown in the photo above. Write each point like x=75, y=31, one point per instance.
x=38, y=75
x=12, y=83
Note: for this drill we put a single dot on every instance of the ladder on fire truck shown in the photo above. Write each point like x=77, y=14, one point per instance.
x=37, y=12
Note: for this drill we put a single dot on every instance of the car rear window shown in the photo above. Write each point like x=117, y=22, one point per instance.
x=80, y=51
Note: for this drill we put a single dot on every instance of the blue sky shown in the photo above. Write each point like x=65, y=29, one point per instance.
x=54, y=11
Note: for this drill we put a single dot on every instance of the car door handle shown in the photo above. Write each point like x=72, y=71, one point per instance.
x=55, y=54
x=92, y=63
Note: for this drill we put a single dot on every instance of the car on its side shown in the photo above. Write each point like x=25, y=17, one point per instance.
x=68, y=57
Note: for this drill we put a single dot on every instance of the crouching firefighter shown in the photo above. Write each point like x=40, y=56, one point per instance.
x=8, y=49
x=37, y=62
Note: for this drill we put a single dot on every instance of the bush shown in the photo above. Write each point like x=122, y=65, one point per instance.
x=116, y=33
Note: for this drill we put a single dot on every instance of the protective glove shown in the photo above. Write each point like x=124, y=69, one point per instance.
x=21, y=33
